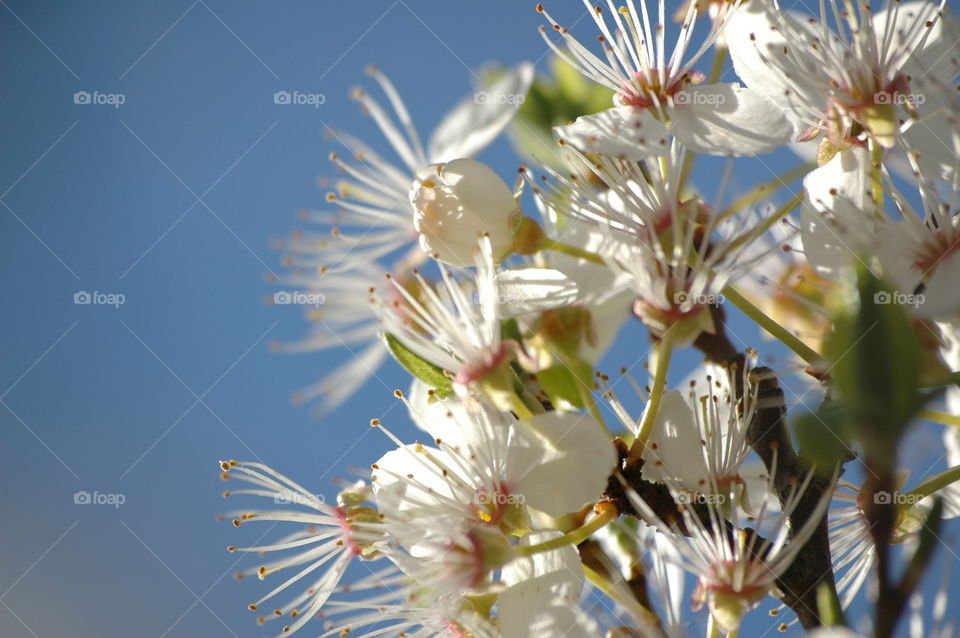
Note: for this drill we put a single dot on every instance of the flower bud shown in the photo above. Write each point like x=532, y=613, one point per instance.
x=458, y=201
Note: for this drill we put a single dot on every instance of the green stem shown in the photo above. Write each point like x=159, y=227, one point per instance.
x=763, y=190
x=876, y=174
x=936, y=483
x=573, y=251
x=607, y=514
x=718, y=61
x=713, y=629
x=940, y=417
x=664, y=352
x=801, y=349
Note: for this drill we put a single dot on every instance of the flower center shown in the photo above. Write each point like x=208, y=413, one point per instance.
x=647, y=90
x=937, y=248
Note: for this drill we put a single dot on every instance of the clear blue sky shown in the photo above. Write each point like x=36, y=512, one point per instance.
x=171, y=200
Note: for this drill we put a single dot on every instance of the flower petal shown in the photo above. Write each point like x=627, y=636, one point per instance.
x=476, y=121
x=623, y=131
x=727, y=119
x=526, y=290
x=564, y=463
x=540, y=588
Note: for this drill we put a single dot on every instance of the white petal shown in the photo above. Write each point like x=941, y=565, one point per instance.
x=565, y=463
x=935, y=137
x=941, y=295
x=831, y=243
x=674, y=453
x=476, y=121
x=527, y=290
x=755, y=44
x=951, y=493
x=538, y=587
x=395, y=496
x=727, y=119
x=623, y=131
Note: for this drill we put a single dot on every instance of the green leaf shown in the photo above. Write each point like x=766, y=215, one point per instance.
x=427, y=372
x=569, y=379
x=831, y=613
x=560, y=383
x=876, y=366
x=823, y=438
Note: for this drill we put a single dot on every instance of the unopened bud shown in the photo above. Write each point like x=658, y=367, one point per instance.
x=457, y=202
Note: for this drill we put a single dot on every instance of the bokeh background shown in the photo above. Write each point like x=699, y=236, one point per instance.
x=171, y=200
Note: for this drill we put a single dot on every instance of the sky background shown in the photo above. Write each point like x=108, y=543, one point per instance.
x=171, y=199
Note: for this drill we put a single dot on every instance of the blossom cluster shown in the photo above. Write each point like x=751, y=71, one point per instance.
x=537, y=502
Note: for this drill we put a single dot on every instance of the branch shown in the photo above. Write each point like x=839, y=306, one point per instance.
x=768, y=436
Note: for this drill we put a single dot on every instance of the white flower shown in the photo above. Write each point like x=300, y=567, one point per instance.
x=330, y=538
x=457, y=202
x=879, y=75
x=916, y=251
x=375, y=222
x=699, y=441
x=552, y=462
x=457, y=326
x=735, y=570
x=655, y=95
x=676, y=254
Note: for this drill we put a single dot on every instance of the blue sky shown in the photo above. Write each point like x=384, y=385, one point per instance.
x=171, y=200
